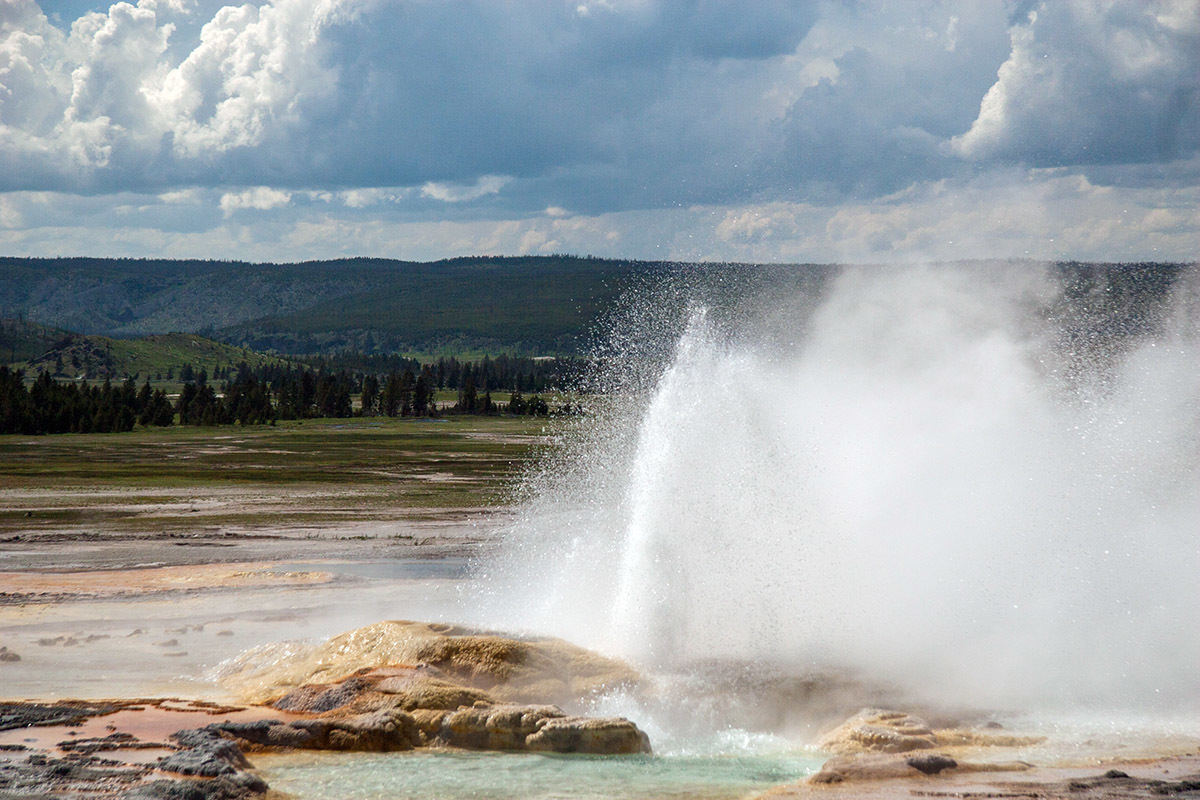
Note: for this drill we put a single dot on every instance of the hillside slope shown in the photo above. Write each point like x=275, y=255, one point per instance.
x=128, y=297
x=538, y=305
x=159, y=357
x=541, y=305
x=21, y=340
x=535, y=304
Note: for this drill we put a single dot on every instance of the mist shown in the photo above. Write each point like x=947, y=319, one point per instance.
x=977, y=483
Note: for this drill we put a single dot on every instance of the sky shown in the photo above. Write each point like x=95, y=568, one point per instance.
x=855, y=131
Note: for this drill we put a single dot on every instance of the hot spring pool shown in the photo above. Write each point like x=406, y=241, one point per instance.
x=524, y=776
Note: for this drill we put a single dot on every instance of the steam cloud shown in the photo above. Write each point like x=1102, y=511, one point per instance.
x=981, y=483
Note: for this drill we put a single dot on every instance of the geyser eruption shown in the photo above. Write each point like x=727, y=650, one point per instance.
x=980, y=483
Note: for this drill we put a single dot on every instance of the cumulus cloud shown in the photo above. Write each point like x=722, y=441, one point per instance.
x=888, y=85
x=254, y=70
x=262, y=198
x=365, y=198
x=180, y=196
x=791, y=125
x=760, y=223
x=359, y=92
x=10, y=217
x=641, y=103
x=1051, y=214
x=1094, y=83
x=457, y=193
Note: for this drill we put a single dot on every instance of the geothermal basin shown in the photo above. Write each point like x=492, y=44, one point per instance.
x=966, y=494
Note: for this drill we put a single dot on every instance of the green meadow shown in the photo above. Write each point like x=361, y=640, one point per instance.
x=295, y=474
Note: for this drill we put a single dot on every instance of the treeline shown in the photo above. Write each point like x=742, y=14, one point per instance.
x=277, y=391
x=407, y=392
x=244, y=400
x=48, y=406
x=262, y=395
x=503, y=373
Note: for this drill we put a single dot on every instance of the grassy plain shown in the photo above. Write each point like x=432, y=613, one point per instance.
x=296, y=475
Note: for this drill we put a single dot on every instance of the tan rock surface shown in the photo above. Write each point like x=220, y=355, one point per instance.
x=880, y=766
x=381, y=686
x=876, y=730
x=539, y=728
x=891, y=779
x=609, y=735
x=402, y=687
x=508, y=669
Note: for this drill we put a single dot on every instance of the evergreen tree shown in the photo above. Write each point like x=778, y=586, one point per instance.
x=407, y=384
x=370, y=396
x=467, y=397
x=516, y=403
x=390, y=399
x=145, y=408
x=422, y=402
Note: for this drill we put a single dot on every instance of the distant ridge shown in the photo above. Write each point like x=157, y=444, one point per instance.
x=536, y=305
x=527, y=305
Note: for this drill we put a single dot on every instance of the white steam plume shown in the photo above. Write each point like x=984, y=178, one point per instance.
x=979, y=482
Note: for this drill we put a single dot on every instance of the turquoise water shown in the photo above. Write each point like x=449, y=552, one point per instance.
x=523, y=776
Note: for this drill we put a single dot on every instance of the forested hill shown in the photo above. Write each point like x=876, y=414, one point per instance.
x=34, y=348
x=536, y=305
x=529, y=306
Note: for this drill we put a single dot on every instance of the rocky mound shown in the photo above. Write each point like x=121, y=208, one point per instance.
x=878, y=766
x=878, y=730
x=392, y=686
x=398, y=685
x=398, y=708
x=880, y=743
x=507, y=669
x=407, y=688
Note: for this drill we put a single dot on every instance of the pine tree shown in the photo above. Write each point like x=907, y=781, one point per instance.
x=370, y=396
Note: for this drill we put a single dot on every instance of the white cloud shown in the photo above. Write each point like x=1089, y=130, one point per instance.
x=459, y=193
x=647, y=127
x=189, y=196
x=32, y=96
x=1040, y=214
x=648, y=104
x=10, y=217
x=536, y=241
x=1094, y=83
x=262, y=198
x=758, y=223
x=255, y=68
x=365, y=198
